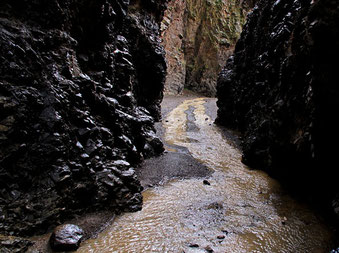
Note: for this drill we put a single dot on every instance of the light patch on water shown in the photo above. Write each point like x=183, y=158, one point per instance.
x=240, y=211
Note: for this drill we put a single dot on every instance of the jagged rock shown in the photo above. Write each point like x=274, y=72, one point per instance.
x=280, y=90
x=11, y=244
x=80, y=88
x=172, y=27
x=66, y=238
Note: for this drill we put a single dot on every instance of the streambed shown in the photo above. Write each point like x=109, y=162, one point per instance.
x=235, y=210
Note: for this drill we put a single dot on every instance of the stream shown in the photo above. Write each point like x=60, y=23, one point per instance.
x=235, y=210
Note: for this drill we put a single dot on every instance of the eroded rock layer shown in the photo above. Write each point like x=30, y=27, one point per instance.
x=81, y=84
x=199, y=35
x=281, y=91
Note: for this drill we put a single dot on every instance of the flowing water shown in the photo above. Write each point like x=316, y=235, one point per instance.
x=240, y=211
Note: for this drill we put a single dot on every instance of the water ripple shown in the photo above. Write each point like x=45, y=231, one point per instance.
x=241, y=211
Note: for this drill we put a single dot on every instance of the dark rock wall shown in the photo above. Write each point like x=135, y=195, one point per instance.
x=281, y=91
x=80, y=86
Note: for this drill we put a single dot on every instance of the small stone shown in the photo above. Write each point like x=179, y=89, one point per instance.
x=66, y=238
x=221, y=237
x=209, y=249
x=225, y=231
x=205, y=182
x=215, y=205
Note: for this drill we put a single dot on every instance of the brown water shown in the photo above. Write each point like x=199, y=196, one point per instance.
x=241, y=211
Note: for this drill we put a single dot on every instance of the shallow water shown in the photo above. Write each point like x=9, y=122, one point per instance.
x=240, y=211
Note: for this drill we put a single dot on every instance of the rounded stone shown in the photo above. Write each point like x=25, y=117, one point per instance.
x=66, y=238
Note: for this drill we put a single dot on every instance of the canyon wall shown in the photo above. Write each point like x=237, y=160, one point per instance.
x=199, y=35
x=281, y=91
x=172, y=27
x=80, y=86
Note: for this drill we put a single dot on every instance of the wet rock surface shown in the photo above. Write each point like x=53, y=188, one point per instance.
x=66, y=238
x=280, y=90
x=11, y=244
x=81, y=85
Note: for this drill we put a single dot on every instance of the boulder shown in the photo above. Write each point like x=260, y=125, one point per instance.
x=66, y=238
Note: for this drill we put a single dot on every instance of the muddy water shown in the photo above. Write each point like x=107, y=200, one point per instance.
x=240, y=211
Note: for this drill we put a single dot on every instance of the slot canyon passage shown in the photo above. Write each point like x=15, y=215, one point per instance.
x=169, y=126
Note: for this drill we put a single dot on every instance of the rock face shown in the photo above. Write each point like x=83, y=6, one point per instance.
x=66, y=238
x=80, y=86
x=199, y=35
x=173, y=26
x=11, y=244
x=281, y=91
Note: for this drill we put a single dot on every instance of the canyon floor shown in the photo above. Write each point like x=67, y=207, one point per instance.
x=199, y=197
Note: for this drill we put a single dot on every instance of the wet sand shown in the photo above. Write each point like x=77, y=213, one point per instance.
x=238, y=210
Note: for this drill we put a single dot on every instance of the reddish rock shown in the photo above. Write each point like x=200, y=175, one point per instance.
x=199, y=36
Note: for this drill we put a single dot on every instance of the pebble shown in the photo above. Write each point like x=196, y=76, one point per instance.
x=209, y=249
x=205, y=182
x=225, y=231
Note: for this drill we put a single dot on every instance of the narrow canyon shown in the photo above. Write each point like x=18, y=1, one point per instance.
x=169, y=126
